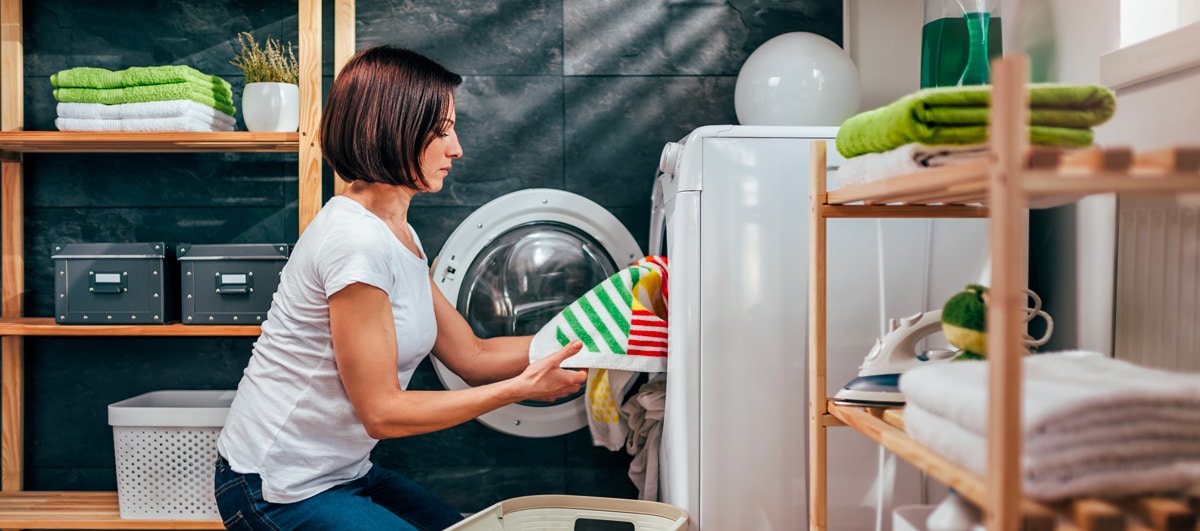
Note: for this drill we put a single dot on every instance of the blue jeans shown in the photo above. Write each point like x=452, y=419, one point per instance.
x=380, y=500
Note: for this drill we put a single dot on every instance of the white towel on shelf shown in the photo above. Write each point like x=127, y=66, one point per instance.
x=1108, y=470
x=146, y=109
x=1090, y=425
x=645, y=413
x=905, y=159
x=149, y=125
x=1063, y=391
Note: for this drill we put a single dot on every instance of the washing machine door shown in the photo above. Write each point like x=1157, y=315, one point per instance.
x=512, y=265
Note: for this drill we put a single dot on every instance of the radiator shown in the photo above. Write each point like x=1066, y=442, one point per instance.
x=1157, y=296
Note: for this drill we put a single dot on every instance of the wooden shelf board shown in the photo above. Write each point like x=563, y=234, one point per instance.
x=886, y=427
x=122, y=142
x=45, y=326
x=877, y=424
x=967, y=183
x=903, y=211
x=78, y=510
x=1044, y=183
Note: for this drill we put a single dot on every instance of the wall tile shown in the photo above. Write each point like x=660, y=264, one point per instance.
x=617, y=125
x=92, y=180
x=72, y=33
x=471, y=37
x=682, y=37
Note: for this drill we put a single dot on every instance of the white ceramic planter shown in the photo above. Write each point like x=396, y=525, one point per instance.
x=271, y=107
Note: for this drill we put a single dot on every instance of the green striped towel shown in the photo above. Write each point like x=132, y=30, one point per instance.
x=102, y=78
x=171, y=91
x=622, y=322
x=1060, y=115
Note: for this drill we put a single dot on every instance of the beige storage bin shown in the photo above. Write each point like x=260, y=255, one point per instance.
x=568, y=513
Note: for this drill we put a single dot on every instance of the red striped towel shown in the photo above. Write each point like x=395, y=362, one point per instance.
x=622, y=322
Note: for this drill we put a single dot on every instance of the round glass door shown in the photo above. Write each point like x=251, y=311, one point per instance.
x=524, y=278
x=512, y=266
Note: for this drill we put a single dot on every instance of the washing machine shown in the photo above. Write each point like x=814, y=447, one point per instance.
x=731, y=210
x=514, y=264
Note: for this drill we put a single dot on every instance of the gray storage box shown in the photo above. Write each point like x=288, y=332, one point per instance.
x=115, y=283
x=229, y=283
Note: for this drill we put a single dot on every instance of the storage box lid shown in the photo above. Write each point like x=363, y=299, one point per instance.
x=238, y=251
x=172, y=409
x=156, y=250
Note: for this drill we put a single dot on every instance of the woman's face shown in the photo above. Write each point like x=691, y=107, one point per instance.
x=436, y=160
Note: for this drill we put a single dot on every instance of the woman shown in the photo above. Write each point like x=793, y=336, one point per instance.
x=354, y=313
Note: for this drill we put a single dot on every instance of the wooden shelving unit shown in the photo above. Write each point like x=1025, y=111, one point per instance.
x=1002, y=188
x=20, y=509
x=13, y=143
x=45, y=326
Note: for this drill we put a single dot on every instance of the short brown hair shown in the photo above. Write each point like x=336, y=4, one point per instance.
x=385, y=107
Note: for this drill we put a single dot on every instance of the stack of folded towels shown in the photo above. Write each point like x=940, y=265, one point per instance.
x=1091, y=426
x=142, y=98
x=945, y=125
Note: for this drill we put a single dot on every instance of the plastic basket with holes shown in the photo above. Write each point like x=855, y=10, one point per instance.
x=166, y=445
x=575, y=513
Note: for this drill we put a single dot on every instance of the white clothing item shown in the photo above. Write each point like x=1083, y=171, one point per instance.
x=606, y=389
x=147, y=125
x=905, y=159
x=645, y=413
x=145, y=109
x=1101, y=469
x=291, y=421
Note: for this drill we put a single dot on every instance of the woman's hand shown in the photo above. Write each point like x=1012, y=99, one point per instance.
x=544, y=380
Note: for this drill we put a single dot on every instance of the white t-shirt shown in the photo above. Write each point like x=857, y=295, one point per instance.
x=291, y=421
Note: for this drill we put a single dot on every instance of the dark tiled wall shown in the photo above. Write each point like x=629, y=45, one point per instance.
x=571, y=94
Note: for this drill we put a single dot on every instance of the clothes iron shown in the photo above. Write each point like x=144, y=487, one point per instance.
x=878, y=380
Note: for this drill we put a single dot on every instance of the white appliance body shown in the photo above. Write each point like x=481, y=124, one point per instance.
x=732, y=204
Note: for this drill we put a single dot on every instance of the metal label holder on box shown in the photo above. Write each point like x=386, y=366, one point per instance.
x=115, y=283
x=229, y=283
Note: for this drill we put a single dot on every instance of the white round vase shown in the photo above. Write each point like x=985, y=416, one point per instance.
x=271, y=107
x=797, y=78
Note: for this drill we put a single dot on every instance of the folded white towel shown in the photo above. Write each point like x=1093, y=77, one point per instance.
x=905, y=159
x=1111, y=469
x=1062, y=391
x=146, y=109
x=155, y=125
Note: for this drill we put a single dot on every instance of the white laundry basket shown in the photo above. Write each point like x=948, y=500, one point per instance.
x=571, y=513
x=166, y=446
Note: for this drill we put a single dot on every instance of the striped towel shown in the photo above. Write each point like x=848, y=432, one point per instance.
x=623, y=325
x=622, y=322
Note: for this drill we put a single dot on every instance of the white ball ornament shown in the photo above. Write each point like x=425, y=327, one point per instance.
x=797, y=78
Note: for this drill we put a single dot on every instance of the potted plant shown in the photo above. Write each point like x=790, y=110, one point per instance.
x=271, y=98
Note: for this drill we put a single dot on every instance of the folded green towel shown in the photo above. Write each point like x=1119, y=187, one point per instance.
x=170, y=91
x=101, y=78
x=1060, y=115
